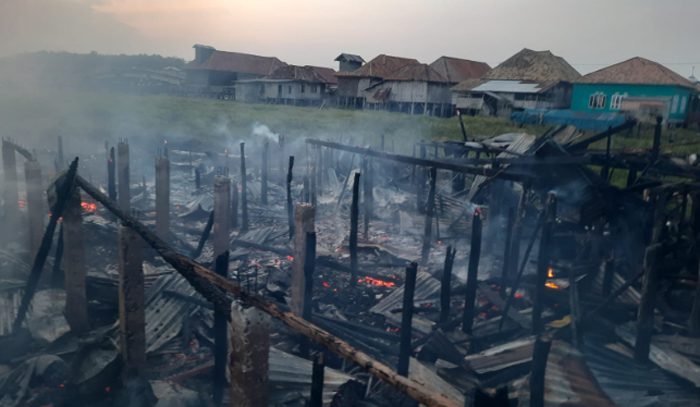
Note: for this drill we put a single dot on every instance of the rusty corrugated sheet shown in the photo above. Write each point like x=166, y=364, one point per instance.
x=426, y=286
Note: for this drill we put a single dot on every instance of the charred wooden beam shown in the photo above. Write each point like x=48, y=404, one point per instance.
x=430, y=211
x=316, y=398
x=657, y=140
x=540, y=355
x=507, y=249
x=207, y=283
x=244, y=192
x=220, y=336
x=543, y=263
x=354, y=209
x=367, y=193
x=132, y=303
x=74, y=265
x=304, y=223
x=222, y=222
x=111, y=175
x=264, y=170
x=608, y=275
x=645, y=315
x=514, y=257
x=600, y=136
x=249, y=364
x=35, y=206
x=123, y=175
x=290, y=208
x=205, y=236
x=407, y=319
x=309, y=271
x=446, y=285
x=163, y=197
x=472, y=274
x=64, y=186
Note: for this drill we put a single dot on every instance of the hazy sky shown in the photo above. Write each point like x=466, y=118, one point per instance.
x=589, y=34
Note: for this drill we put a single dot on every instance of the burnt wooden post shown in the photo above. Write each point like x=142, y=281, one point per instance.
x=222, y=205
x=420, y=180
x=540, y=355
x=656, y=147
x=320, y=170
x=244, y=192
x=124, y=197
x=313, y=175
x=163, y=198
x=409, y=288
x=495, y=211
x=317, y=377
x=73, y=260
x=197, y=178
x=472, y=273
x=514, y=257
x=606, y=168
x=205, y=236
x=543, y=263
x=220, y=336
x=309, y=271
x=304, y=222
x=367, y=192
x=290, y=208
x=631, y=177
x=430, y=210
x=132, y=320
x=306, y=190
x=280, y=142
x=250, y=346
x=265, y=168
x=61, y=160
x=11, y=195
x=35, y=205
x=608, y=275
x=111, y=176
x=446, y=285
x=354, y=209
x=507, y=250
x=234, y=205
x=695, y=312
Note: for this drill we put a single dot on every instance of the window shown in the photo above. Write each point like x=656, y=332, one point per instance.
x=314, y=88
x=289, y=90
x=616, y=100
x=597, y=101
x=303, y=88
x=674, y=105
x=684, y=104
x=279, y=90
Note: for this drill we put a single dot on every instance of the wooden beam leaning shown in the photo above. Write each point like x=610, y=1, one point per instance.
x=207, y=283
x=74, y=266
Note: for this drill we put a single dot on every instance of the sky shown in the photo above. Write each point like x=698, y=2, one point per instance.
x=589, y=34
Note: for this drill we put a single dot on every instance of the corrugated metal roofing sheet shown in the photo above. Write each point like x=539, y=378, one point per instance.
x=509, y=87
x=426, y=286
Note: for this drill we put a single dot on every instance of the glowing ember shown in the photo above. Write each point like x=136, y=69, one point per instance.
x=88, y=207
x=552, y=285
x=290, y=258
x=374, y=281
x=394, y=329
x=22, y=204
x=550, y=272
x=325, y=284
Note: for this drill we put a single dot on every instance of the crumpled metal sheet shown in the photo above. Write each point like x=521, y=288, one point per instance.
x=46, y=322
x=501, y=357
x=426, y=286
x=422, y=374
x=173, y=396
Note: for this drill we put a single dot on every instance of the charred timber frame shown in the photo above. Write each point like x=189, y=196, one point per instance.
x=209, y=284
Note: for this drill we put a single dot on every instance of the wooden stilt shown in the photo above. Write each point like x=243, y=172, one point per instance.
x=309, y=270
x=406, y=319
x=540, y=355
x=123, y=175
x=250, y=347
x=543, y=264
x=304, y=222
x=111, y=175
x=132, y=320
x=472, y=273
x=163, y=198
x=430, y=210
x=244, y=192
x=35, y=205
x=74, y=266
x=316, y=399
x=446, y=286
x=354, y=209
x=222, y=222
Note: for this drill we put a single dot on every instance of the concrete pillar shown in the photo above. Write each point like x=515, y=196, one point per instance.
x=9, y=165
x=74, y=266
x=132, y=320
x=222, y=208
x=304, y=222
x=124, y=197
x=35, y=206
x=249, y=332
x=163, y=198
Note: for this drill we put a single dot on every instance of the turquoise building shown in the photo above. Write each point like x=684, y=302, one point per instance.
x=640, y=88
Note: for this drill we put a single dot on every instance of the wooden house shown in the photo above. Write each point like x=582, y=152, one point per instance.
x=641, y=88
x=457, y=70
x=527, y=80
x=290, y=85
x=349, y=62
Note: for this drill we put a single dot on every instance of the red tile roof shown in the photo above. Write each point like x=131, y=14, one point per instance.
x=327, y=73
x=456, y=70
x=417, y=72
x=637, y=71
x=238, y=62
x=380, y=67
x=303, y=74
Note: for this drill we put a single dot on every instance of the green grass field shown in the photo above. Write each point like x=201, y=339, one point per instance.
x=41, y=115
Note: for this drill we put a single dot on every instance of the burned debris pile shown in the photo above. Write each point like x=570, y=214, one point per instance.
x=494, y=271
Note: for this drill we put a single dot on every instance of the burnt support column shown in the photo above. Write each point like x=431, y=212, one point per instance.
x=430, y=210
x=222, y=222
x=111, y=176
x=354, y=212
x=244, y=192
x=9, y=166
x=250, y=346
x=304, y=222
x=290, y=208
x=543, y=264
x=316, y=399
x=309, y=271
x=123, y=173
x=446, y=285
x=163, y=198
x=472, y=273
x=313, y=175
x=264, y=170
x=35, y=205
x=73, y=260
x=282, y=160
x=514, y=257
x=407, y=319
x=656, y=147
x=507, y=250
x=220, y=337
x=366, y=193
x=540, y=355
x=132, y=319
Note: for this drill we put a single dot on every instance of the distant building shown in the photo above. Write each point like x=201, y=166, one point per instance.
x=527, y=80
x=352, y=84
x=213, y=72
x=349, y=62
x=456, y=70
x=413, y=89
x=289, y=85
x=638, y=87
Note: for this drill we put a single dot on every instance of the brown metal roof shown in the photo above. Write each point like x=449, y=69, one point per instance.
x=380, y=67
x=637, y=71
x=327, y=73
x=238, y=62
x=417, y=72
x=456, y=70
x=539, y=66
x=299, y=73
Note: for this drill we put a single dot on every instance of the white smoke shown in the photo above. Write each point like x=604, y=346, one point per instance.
x=261, y=130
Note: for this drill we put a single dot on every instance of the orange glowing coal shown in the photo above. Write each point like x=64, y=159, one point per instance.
x=550, y=272
x=290, y=258
x=327, y=285
x=377, y=282
x=552, y=285
x=88, y=207
x=22, y=204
